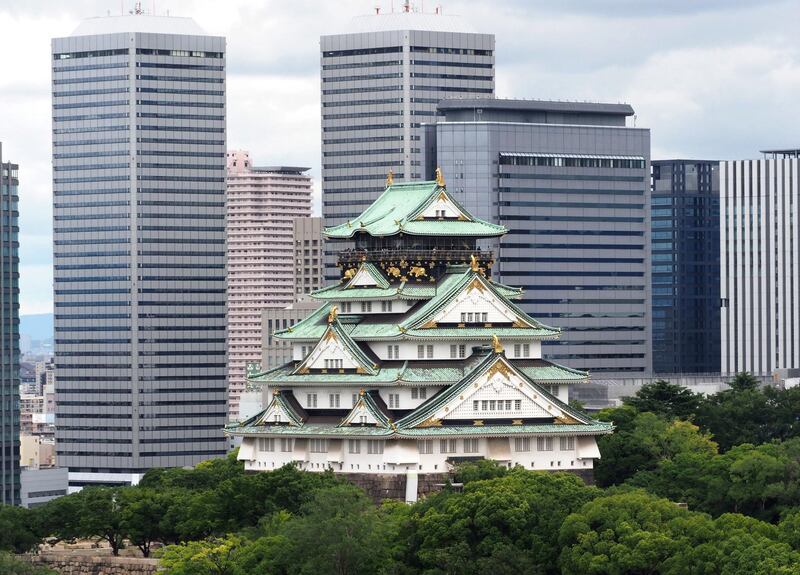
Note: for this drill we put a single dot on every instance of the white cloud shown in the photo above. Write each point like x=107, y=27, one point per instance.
x=716, y=79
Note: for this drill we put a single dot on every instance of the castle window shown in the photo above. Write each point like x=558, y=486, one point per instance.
x=266, y=444
x=517, y=404
x=374, y=447
x=484, y=317
x=414, y=393
x=286, y=444
x=386, y=306
x=362, y=419
x=567, y=443
x=423, y=393
x=354, y=446
x=366, y=306
x=447, y=446
x=347, y=307
x=425, y=446
x=526, y=350
x=420, y=352
x=475, y=405
x=393, y=351
x=471, y=445
x=463, y=317
x=394, y=400
x=333, y=400
x=311, y=400
x=430, y=352
x=522, y=444
x=318, y=445
x=517, y=349
x=544, y=444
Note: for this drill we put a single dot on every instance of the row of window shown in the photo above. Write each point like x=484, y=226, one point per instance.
x=334, y=364
x=544, y=443
x=572, y=162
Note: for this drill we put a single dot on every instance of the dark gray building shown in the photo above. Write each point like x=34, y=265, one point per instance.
x=571, y=183
x=139, y=246
x=9, y=333
x=379, y=82
x=686, y=266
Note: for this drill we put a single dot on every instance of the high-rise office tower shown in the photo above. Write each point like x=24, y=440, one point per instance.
x=9, y=333
x=308, y=256
x=571, y=182
x=379, y=82
x=760, y=263
x=685, y=266
x=263, y=203
x=139, y=246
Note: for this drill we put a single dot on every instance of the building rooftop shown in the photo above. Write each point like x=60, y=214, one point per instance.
x=280, y=169
x=536, y=106
x=782, y=153
x=144, y=23
x=409, y=18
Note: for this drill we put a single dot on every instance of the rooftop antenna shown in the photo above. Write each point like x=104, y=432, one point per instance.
x=138, y=9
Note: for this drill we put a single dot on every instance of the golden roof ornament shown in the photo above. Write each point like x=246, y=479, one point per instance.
x=333, y=314
x=439, y=177
x=389, y=178
x=496, y=346
x=473, y=263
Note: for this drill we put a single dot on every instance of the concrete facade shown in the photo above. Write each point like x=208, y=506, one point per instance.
x=139, y=246
x=275, y=352
x=263, y=203
x=9, y=333
x=379, y=83
x=572, y=184
x=760, y=263
x=685, y=266
x=308, y=256
x=40, y=485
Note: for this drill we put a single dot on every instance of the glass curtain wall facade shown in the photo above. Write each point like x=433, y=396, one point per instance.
x=139, y=247
x=571, y=183
x=377, y=88
x=9, y=333
x=685, y=266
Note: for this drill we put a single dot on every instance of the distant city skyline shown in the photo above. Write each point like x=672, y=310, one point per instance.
x=703, y=91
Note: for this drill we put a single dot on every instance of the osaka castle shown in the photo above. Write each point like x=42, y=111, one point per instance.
x=416, y=359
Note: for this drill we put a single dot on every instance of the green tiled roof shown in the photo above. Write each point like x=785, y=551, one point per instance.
x=289, y=405
x=374, y=273
x=396, y=210
x=374, y=405
x=429, y=408
x=371, y=328
x=487, y=430
x=440, y=372
x=399, y=291
x=335, y=330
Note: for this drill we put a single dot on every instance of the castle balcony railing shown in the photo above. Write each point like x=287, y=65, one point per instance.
x=422, y=255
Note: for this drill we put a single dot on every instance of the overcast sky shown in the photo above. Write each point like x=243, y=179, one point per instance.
x=712, y=79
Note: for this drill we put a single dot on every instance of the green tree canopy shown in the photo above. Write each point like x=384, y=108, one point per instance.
x=667, y=399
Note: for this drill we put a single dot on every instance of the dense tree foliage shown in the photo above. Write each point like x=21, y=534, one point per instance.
x=732, y=458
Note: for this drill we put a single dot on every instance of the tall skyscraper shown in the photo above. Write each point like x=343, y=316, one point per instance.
x=572, y=184
x=379, y=82
x=9, y=333
x=760, y=263
x=308, y=256
x=685, y=266
x=139, y=246
x=263, y=203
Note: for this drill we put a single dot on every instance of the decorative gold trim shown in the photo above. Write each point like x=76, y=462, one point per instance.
x=439, y=177
x=520, y=323
x=333, y=313
x=429, y=325
x=389, y=178
x=516, y=422
x=473, y=263
x=565, y=419
x=496, y=345
x=442, y=196
x=478, y=422
x=432, y=422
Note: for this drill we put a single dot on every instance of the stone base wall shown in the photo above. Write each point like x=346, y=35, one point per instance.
x=393, y=486
x=86, y=565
